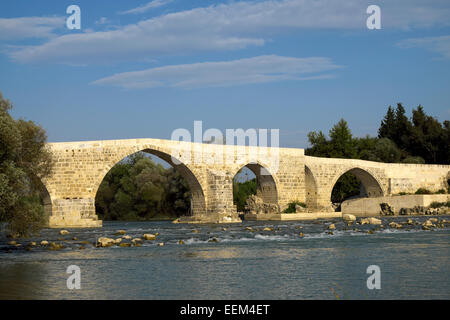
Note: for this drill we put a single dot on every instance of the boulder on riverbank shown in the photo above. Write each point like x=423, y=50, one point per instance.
x=256, y=205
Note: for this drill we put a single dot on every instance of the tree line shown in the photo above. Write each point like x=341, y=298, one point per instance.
x=419, y=139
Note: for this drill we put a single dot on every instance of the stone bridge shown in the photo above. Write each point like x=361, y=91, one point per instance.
x=283, y=175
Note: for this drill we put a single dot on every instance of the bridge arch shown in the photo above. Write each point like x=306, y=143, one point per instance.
x=189, y=174
x=46, y=199
x=447, y=181
x=44, y=194
x=266, y=182
x=369, y=181
x=311, y=189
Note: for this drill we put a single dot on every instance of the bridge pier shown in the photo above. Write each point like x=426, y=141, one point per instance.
x=74, y=213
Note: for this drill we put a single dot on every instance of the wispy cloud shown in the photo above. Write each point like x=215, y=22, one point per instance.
x=29, y=27
x=440, y=45
x=259, y=69
x=231, y=26
x=146, y=7
x=102, y=20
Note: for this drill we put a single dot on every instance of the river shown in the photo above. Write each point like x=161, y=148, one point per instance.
x=278, y=264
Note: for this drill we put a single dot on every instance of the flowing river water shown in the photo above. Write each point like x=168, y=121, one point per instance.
x=277, y=264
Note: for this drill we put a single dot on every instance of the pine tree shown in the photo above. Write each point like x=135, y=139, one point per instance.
x=402, y=128
x=387, y=126
x=341, y=141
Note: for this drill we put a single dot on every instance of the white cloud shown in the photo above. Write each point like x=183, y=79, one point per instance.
x=259, y=69
x=231, y=26
x=146, y=7
x=439, y=45
x=102, y=20
x=29, y=27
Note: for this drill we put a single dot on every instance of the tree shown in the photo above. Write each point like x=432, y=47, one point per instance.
x=241, y=192
x=320, y=146
x=423, y=138
x=385, y=150
x=341, y=141
x=387, y=126
x=428, y=137
x=402, y=128
x=346, y=186
x=24, y=161
x=340, y=145
x=139, y=189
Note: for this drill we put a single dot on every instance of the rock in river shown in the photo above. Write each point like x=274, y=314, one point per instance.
x=149, y=236
x=348, y=217
x=105, y=242
x=374, y=221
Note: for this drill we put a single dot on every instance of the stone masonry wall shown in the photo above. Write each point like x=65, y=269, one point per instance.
x=209, y=170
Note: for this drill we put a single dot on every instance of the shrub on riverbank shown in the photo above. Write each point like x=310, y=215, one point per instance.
x=423, y=191
x=24, y=161
x=436, y=204
x=291, y=206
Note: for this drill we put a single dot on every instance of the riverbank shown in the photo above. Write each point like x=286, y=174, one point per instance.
x=292, y=216
x=413, y=204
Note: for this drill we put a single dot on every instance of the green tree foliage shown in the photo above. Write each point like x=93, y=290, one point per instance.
x=387, y=127
x=241, y=192
x=422, y=137
x=375, y=149
x=400, y=140
x=341, y=141
x=346, y=186
x=340, y=145
x=24, y=161
x=138, y=189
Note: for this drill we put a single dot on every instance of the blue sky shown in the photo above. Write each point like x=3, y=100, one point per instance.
x=141, y=69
